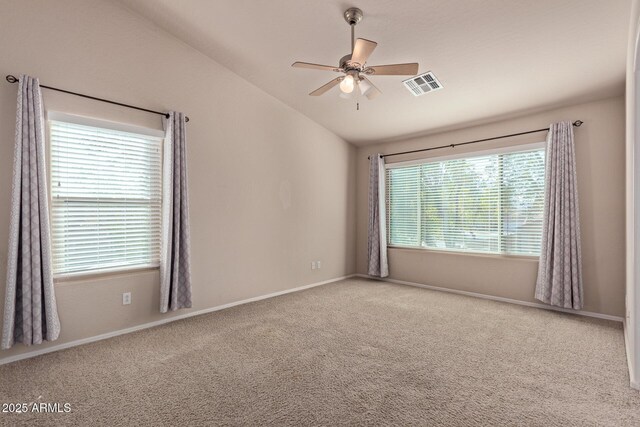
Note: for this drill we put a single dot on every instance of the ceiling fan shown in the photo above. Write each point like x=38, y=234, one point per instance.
x=354, y=66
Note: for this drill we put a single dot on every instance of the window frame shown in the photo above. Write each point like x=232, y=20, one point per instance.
x=465, y=155
x=58, y=116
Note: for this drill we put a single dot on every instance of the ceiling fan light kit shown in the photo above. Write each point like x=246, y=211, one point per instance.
x=348, y=82
x=354, y=66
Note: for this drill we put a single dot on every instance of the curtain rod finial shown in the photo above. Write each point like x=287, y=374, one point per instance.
x=578, y=123
x=11, y=79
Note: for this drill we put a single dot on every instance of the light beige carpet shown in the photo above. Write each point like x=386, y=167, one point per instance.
x=356, y=352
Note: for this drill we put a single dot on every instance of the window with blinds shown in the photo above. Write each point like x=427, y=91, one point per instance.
x=491, y=203
x=106, y=198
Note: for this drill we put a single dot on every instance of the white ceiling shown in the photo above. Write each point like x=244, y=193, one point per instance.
x=494, y=57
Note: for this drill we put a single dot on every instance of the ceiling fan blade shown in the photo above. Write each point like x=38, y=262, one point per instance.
x=314, y=66
x=326, y=87
x=372, y=91
x=394, y=69
x=361, y=50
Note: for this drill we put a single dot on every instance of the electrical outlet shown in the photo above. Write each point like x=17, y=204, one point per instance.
x=313, y=265
x=318, y=264
x=126, y=298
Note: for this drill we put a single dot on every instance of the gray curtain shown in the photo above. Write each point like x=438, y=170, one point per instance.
x=175, y=260
x=30, y=311
x=377, y=242
x=560, y=269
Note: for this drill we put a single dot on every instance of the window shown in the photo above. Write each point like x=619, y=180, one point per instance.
x=106, y=198
x=488, y=203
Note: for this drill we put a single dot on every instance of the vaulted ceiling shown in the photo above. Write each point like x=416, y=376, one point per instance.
x=494, y=57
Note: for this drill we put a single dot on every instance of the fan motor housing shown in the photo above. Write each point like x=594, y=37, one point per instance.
x=347, y=65
x=345, y=62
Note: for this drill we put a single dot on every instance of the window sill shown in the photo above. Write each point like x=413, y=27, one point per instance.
x=83, y=276
x=462, y=253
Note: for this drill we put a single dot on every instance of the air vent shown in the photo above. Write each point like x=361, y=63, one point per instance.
x=423, y=83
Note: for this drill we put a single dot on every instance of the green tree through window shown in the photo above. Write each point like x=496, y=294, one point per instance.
x=483, y=203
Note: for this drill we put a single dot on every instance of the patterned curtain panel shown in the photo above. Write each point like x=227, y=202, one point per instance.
x=30, y=311
x=560, y=269
x=175, y=259
x=377, y=243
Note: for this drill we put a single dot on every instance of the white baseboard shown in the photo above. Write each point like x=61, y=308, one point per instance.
x=495, y=298
x=100, y=337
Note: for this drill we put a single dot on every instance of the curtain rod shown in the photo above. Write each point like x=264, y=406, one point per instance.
x=577, y=123
x=13, y=79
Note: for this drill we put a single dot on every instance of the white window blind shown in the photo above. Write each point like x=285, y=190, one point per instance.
x=106, y=198
x=482, y=203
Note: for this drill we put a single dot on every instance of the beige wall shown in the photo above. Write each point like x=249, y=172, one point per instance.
x=270, y=189
x=600, y=151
